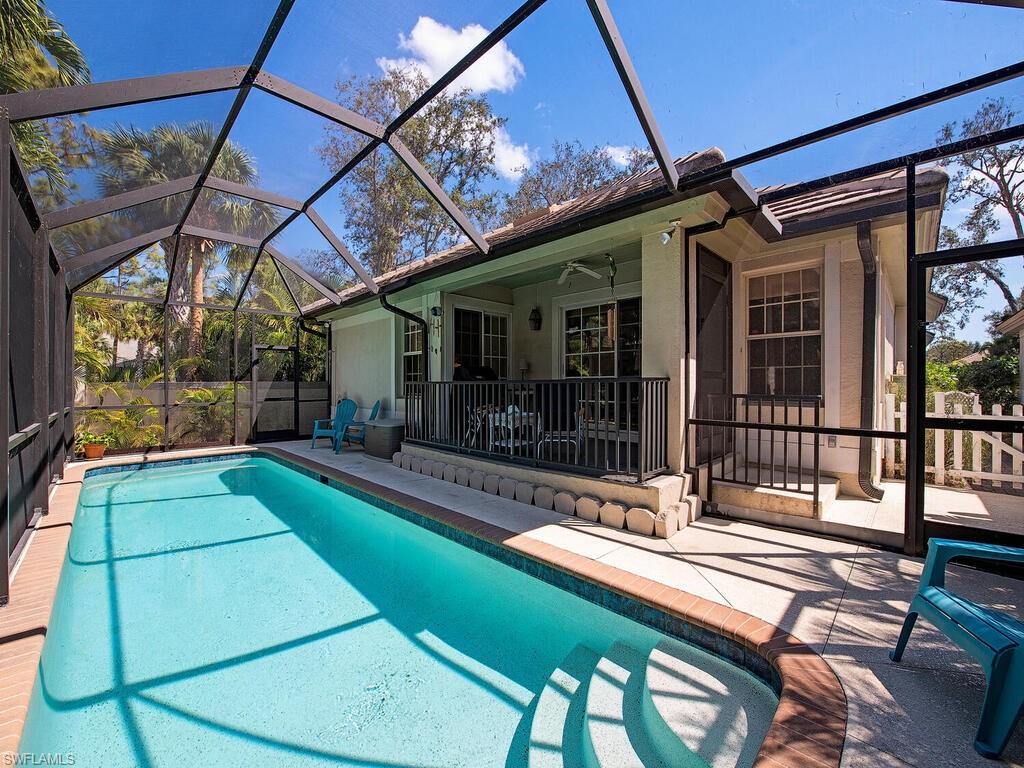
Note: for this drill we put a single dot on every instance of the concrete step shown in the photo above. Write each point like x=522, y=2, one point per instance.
x=556, y=728
x=791, y=496
x=606, y=741
x=697, y=709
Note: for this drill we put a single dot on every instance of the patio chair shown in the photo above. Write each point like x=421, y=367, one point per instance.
x=993, y=638
x=571, y=436
x=335, y=428
x=356, y=432
x=512, y=431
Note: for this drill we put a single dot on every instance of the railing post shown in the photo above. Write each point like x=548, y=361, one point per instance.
x=817, y=449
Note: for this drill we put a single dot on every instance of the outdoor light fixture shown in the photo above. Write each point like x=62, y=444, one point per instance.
x=534, y=319
x=666, y=236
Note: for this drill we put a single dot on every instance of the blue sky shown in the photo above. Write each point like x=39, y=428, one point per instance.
x=736, y=75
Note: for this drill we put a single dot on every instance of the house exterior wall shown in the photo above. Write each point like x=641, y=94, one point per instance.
x=841, y=321
x=655, y=271
x=542, y=350
x=362, y=367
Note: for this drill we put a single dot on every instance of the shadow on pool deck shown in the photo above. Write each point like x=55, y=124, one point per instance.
x=845, y=600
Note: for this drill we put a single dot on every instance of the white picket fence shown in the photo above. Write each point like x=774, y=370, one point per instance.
x=992, y=459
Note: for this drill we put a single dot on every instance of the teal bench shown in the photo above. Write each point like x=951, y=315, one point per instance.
x=992, y=637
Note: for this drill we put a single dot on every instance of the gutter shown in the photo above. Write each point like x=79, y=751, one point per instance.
x=425, y=352
x=867, y=359
x=731, y=185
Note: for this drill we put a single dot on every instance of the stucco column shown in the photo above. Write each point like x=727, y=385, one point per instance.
x=664, y=305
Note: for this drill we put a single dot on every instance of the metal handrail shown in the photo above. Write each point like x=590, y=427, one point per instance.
x=728, y=430
x=610, y=426
x=17, y=441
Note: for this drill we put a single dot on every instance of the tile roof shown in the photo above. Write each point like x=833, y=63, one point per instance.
x=873, y=190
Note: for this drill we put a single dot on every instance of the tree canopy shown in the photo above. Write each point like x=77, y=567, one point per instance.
x=990, y=183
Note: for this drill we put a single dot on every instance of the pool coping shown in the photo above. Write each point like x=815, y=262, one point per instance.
x=808, y=728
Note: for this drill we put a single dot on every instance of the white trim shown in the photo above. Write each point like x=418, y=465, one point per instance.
x=559, y=304
x=779, y=269
x=453, y=301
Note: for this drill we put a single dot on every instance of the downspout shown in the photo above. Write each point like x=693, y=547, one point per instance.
x=420, y=322
x=867, y=359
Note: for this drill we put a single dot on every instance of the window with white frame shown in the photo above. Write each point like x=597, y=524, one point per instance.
x=481, y=340
x=602, y=339
x=412, y=353
x=784, y=333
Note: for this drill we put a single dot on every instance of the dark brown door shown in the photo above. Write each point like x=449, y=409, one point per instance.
x=714, y=351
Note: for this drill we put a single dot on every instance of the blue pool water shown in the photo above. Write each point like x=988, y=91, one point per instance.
x=238, y=612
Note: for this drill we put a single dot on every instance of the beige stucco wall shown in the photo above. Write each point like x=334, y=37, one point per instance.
x=541, y=349
x=362, y=366
x=851, y=314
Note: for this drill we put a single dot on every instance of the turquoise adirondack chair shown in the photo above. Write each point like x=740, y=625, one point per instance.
x=995, y=639
x=357, y=429
x=335, y=428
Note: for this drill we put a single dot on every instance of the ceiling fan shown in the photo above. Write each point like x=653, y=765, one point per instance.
x=578, y=266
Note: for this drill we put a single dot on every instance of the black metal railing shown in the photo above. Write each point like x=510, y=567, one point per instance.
x=759, y=441
x=615, y=427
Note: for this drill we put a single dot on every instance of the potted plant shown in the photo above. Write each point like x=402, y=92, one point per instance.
x=91, y=444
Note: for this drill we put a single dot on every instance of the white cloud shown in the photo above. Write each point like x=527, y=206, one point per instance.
x=618, y=154
x=435, y=47
x=510, y=159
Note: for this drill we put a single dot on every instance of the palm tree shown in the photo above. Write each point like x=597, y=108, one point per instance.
x=36, y=52
x=134, y=158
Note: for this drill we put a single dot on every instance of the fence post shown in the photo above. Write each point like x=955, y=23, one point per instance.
x=976, y=439
x=889, y=446
x=997, y=451
x=958, y=441
x=1018, y=443
x=940, y=441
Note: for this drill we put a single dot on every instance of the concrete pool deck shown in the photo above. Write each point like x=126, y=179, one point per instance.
x=843, y=600
x=846, y=601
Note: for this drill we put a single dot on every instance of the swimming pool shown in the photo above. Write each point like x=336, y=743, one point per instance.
x=237, y=612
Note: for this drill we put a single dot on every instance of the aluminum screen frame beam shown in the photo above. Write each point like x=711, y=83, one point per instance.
x=55, y=102
x=299, y=270
x=93, y=208
x=318, y=105
x=245, y=86
x=437, y=192
x=251, y=193
x=342, y=249
x=6, y=143
x=963, y=87
x=83, y=261
x=517, y=17
x=224, y=237
x=634, y=89
x=248, y=278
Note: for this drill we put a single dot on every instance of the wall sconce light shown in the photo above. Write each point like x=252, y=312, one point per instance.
x=666, y=236
x=534, y=319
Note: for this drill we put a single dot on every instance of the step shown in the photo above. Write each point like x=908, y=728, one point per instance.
x=558, y=717
x=787, y=501
x=697, y=709
x=606, y=742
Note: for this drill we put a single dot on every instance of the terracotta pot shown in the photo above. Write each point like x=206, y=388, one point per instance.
x=94, y=450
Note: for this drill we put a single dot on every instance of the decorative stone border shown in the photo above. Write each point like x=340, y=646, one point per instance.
x=639, y=520
x=808, y=729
